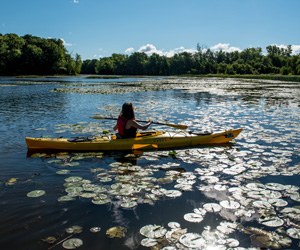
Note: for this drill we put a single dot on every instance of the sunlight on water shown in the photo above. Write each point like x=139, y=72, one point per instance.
x=244, y=195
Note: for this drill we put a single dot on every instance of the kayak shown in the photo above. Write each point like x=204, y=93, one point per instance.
x=144, y=140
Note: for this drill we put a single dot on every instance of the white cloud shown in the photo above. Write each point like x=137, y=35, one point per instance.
x=65, y=43
x=75, y=1
x=295, y=48
x=150, y=49
x=129, y=50
x=224, y=47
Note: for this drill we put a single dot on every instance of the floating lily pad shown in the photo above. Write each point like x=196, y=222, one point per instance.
x=105, y=179
x=173, y=193
x=129, y=204
x=271, y=221
x=153, y=231
x=50, y=240
x=212, y=207
x=11, y=181
x=192, y=240
x=72, y=243
x=66, y=198
x=99, y=189
x=149, y=242
x=262, y=204
x=74, y=229
x=98, y=201
x=95, y=229
x=74, y=189
x=275, y=186
x=229, y=204
x=87, y=195
x=193, y=217
x=63, y=171
x=232, y=242
x=227, y=227
x=255, y=186
x=36, y=193
x=174, y=225
x=177, y=233
x=38, y=155
x=293, y=233
x=278, y=202
x=73, y=179
x=116, y=232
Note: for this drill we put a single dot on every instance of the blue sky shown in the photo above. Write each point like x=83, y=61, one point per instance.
x=98, y=28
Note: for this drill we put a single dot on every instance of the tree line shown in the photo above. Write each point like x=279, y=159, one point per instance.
x=204, y=61
x=34, y=55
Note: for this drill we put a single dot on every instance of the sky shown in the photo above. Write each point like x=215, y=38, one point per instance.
x=99, y=28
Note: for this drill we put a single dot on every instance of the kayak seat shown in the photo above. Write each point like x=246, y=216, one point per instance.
x=81, y=139
x=200, y=133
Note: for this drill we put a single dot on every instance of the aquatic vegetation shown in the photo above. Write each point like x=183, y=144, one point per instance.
x=72, y=243
x=239, y=196
x=36, y=193
x=116, y=232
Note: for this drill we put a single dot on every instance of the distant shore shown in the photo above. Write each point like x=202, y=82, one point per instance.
x=288, y=78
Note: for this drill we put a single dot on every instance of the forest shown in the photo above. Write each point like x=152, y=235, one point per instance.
x=31, y=55
x=250, y=61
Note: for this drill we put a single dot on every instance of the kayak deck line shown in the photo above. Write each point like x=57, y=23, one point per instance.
x=144, y=140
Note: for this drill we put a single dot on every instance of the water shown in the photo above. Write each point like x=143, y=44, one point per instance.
x=267, y=151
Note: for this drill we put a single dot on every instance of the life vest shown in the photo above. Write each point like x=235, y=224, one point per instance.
x=121, y=123
x=125, y=133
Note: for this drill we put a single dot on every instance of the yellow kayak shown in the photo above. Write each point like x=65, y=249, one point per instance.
x=144, y=140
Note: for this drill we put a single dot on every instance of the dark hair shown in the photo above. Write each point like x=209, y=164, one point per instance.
x=128, y=111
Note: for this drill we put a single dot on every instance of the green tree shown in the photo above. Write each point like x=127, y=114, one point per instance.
x=78, y=63
x=89, y=66
x=136, y=63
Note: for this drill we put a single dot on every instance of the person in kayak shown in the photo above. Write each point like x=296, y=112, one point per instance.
x=126, y=124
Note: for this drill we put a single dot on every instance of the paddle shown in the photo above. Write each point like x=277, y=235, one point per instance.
x=159, y=123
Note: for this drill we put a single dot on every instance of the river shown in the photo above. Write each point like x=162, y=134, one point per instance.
x=237, y=196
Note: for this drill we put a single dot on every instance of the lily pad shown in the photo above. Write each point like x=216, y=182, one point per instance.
x=88, y=195
x=101, y=201
x=174, y=225
x=229, y=204
x=192, y=240
x=153, y=231
x=193, y=217
x=95, y=229
x=275, y=186
x=212, y=207
x=36, y=193
x=74, y=189
x=271, y=221
x=293, y=233
x=116, y=232
x=74, y=230
x=63, y=171
x=129, y=204
x=73, y=179
x=66, y=198
x=173, y=193
x=149, y=242
x=72, y=243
